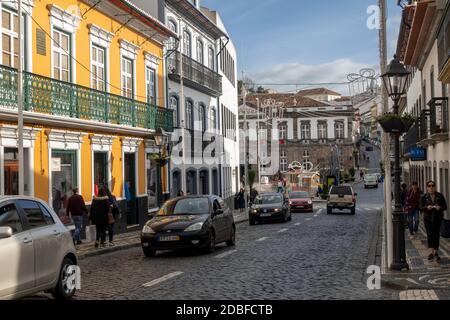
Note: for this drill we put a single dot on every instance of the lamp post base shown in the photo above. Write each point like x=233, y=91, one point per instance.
x=399, y=266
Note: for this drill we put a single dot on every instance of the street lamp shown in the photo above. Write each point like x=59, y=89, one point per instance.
x=395, y=80
x=161, y=139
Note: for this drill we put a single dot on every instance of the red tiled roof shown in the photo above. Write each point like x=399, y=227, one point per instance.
x=317, y=91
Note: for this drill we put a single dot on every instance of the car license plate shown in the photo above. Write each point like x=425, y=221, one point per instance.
x=168, y=238
x=265, y=215
x=300, y=207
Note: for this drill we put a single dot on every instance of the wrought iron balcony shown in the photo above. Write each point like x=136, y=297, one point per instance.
x=439, y=119
x=54, y=97
x=195, y=74
x=424, y=128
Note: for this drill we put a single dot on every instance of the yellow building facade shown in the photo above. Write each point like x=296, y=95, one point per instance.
x=94, y=91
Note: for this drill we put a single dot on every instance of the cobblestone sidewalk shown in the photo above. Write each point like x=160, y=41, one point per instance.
x=129, y=240
x=426, y=280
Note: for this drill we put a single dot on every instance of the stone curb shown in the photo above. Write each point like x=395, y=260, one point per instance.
x=125, y=246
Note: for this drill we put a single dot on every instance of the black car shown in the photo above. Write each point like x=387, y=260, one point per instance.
x=187, y=223
x=270, y=207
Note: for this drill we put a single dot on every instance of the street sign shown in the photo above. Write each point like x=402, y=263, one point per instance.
x=418, y=154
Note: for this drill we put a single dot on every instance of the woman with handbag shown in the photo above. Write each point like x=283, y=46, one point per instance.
x=100, y=210
x=433, y=205
x=113, y=215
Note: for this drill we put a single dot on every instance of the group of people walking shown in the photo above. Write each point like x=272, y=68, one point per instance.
x=103, y=214
x=433, y=206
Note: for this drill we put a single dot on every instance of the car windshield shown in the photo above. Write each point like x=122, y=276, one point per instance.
x=185, y=206
x=371, y=177
x=346, y=190
x=268, y=199
x=299, y=195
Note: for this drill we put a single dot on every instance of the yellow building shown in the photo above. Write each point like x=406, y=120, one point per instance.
x=94, y=80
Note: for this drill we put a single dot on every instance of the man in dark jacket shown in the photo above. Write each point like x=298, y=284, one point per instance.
x=412, y=204
x=433, y=205
x=77, y=208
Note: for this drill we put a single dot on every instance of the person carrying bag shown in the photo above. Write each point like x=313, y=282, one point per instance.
x=433, y=205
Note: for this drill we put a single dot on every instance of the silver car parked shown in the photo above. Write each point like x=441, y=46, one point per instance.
x=36, y=250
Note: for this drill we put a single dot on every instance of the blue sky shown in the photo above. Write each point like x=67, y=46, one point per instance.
x=298, y=41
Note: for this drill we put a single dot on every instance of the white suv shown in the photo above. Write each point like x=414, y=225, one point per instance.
x=36, y=250
x=341, y=197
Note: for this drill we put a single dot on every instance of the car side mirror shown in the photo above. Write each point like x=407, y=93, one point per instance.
x=6, y=232
x=218, y=212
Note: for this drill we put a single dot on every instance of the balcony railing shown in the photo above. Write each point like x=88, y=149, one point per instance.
x=439, y=118
x=54, y=97
x=195, y=74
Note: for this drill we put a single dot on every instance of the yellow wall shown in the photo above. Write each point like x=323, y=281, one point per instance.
x=42, y=66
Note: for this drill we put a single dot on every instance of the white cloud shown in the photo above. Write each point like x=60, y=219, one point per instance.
x=297, y=73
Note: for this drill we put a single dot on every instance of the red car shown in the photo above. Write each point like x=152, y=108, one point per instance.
x=300, y=202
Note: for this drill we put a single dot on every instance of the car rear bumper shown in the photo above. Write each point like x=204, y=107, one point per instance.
x=188, y=240
x=341, y=206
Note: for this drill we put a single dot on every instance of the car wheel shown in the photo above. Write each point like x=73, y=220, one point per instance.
x=212, y=242
x=64, y=289
x=329, y=210
x=149, y=252
x=232, y=240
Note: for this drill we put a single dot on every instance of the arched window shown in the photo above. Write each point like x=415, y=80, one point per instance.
x=173, y=105
x=200, y=51
x=173, y=27
x=213, y=118
x=211, y=58
x=202, y=114
x=187, y=43
x=189, y=115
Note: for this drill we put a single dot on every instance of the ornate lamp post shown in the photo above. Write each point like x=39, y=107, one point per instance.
x=161, y=139
x=395, y=80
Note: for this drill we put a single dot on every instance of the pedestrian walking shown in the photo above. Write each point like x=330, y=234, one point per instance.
x=77, y=208
x=433, y=205
x=412, y=206
x=280, y=186
x=241, y=200
x=99, y=215
x=361, y=175
x=113, y=216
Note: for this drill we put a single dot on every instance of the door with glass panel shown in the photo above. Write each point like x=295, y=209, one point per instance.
x=64, y=178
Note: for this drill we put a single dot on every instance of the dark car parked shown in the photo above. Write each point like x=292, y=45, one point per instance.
x=300, y=202
x=270, y=207
x=187, y=223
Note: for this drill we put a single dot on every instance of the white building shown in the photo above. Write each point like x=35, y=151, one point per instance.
x=427, y=95
x=205, y=104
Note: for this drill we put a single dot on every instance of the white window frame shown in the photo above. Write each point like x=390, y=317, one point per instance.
x=95, y=65
x=283, y=165
x=151, y=85
x=101, y=38
x=8, y=139
x=175, y=108
x=131, y=145
x=211, y=58
x=128, y=51
x=61, y=52
x=125, y=76
x=67, y=22
x=64, y=140
x=283, y=132
x=200, y=51
x=189, y=115
x=340, y=130
x=102, y=143
x=305, y=133
x=185, y=42
x=322, y=131
x=27, y=7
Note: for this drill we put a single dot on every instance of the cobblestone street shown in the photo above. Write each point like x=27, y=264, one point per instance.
x=316, y=256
